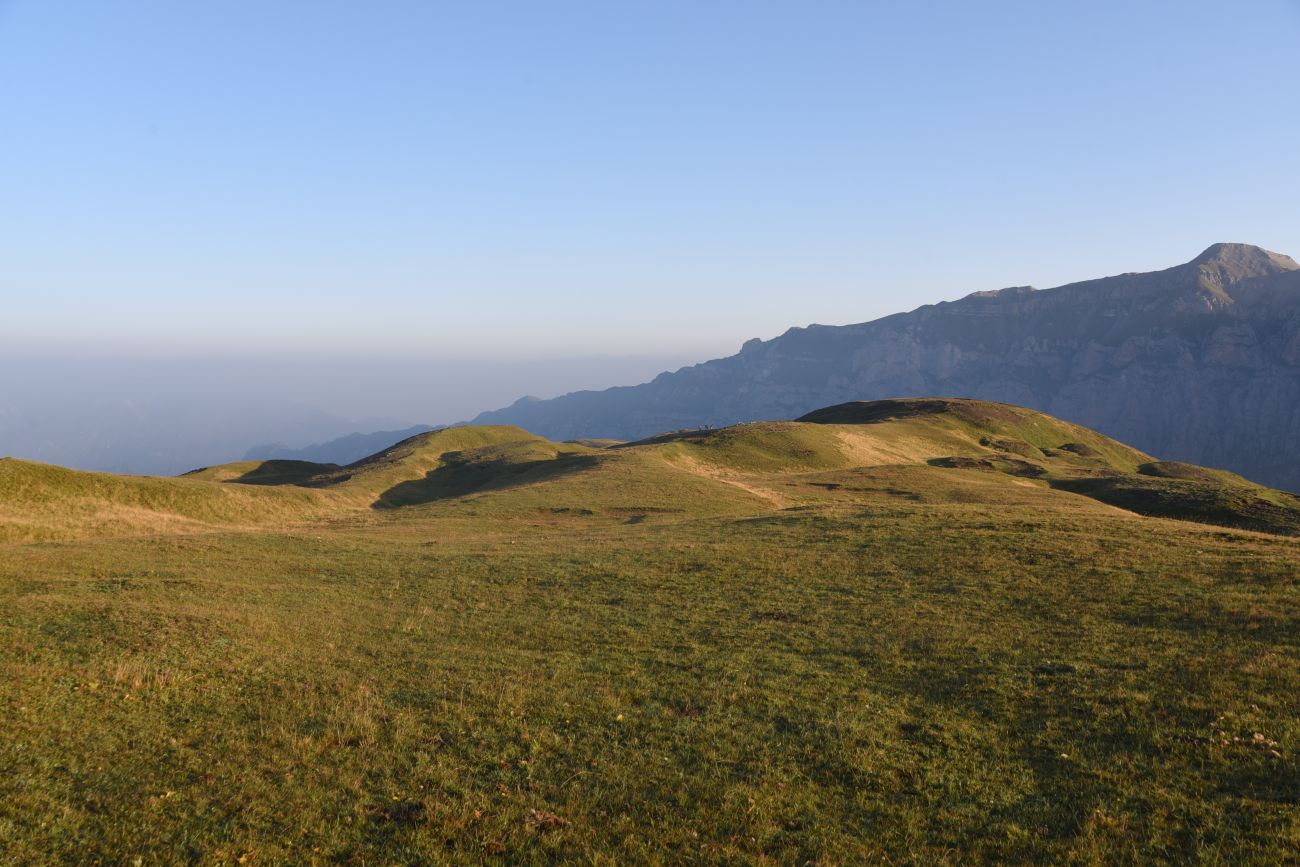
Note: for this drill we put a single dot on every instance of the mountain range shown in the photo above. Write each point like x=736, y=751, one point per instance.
x=343, y=450
x=1199, y=363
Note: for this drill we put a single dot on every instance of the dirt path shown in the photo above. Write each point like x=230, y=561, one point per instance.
x=699, y=468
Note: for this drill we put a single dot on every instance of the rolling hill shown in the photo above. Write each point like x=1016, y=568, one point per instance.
x=929, y=630
x=1197, y=363
x=706, y=470
x=41, y=502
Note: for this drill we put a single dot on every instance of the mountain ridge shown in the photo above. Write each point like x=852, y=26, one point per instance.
x=340, y=450
x=1199, y=362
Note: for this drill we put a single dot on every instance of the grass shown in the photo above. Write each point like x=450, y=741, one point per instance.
x=645, y=659
x=1248, y=506
x=39, y=502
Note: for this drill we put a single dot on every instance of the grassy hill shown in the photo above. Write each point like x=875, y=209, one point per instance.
x=704, y=471
x=926, y=631
x=39, y=502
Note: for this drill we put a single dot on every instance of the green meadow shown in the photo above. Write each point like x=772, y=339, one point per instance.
x=907, y=632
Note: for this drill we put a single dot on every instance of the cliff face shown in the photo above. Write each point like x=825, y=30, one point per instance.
x=1198, y=363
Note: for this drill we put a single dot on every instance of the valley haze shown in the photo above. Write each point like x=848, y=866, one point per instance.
x=166, y=414
x=1198, y=362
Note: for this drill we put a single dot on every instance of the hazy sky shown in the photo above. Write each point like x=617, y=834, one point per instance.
x=233, y=222
x=545, y=179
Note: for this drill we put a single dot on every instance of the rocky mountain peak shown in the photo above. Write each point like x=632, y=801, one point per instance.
x=1199, y=362
x=1234, y=262
x=1009, y=292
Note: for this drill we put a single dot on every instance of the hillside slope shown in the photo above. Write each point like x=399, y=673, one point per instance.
x=1197, y=363
x=940, y=449
x=40, y=502
x=909, y=631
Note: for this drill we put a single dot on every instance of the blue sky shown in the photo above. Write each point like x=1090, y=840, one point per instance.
x=540, y=180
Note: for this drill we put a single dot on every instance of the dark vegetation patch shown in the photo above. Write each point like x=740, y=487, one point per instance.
x=699, y=434
x=1014, y=446
x=875, y=411
x=1009, y=466
x=644, y=510
x=1211, y=502
x=287, y=472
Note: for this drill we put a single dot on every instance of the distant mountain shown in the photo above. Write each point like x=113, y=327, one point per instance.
x=1198, y=363
x=343, y=450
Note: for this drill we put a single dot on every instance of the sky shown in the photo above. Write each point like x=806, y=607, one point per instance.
x=518, y=183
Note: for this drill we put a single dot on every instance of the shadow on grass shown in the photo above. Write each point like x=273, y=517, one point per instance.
x=285, y=472
x=1208, y=502
x=460, y=475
